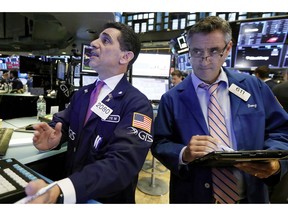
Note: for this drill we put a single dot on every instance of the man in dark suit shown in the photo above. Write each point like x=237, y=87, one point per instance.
x=253, y=118
x=281, y=92
x=262, y=72
x=105, y=152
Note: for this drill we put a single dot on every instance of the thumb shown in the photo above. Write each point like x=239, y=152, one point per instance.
x=34, y=186
x=58, y=128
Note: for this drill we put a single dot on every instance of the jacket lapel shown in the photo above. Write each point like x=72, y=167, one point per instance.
x=188, y=97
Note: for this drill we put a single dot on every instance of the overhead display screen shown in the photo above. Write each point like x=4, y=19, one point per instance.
x=148, y=64
x=261, y=43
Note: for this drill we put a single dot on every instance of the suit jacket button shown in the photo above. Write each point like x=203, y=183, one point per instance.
x=207, y=185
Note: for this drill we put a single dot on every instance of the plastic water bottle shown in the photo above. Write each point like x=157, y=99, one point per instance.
x=41, y=107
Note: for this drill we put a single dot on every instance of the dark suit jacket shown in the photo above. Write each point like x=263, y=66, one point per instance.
x=281, y=92
x=104, y=157
x=271, y=83
x=259, y=123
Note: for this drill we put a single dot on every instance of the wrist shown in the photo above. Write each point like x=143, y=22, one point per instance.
x=60, y=199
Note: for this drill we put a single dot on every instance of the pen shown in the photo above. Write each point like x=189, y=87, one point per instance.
x=39, y=193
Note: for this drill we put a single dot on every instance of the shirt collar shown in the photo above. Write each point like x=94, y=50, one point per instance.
x=113, y=81
x=221, y=78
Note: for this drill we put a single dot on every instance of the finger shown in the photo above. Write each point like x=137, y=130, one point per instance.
x=58, y=128
x=34, y=186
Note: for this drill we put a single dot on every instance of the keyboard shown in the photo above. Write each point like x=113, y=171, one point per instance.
x=5, y=136
x=14, y=177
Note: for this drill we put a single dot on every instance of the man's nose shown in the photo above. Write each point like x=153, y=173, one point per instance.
x=95, y=43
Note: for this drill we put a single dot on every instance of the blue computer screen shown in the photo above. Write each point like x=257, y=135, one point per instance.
x=261, y=43
x=183, y=62
x=285, y=60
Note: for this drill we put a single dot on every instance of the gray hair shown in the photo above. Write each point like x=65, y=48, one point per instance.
x=210, y=24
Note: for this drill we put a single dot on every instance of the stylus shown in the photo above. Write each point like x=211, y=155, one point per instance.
x=39, y=193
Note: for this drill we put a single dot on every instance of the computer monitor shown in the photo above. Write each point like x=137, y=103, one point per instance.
x=3, y=65
x=12, y=62
x=151, y=64
x=285, y=60
x=76, y=82
x=85, y=58
x=77, y=70
x=153, y=88
x=61, y=70
x=261, y=42
x=87, y=79
x=254, y=56
x=183, y=62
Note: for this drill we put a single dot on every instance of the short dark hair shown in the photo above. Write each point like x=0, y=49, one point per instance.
x=177, y=73
x=15, y=73
x=210, y=24
x=263, y=71
x=129, y=40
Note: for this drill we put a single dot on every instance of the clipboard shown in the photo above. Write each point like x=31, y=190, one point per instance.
x=228, y=158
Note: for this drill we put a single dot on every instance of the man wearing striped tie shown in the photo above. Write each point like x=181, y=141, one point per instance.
x=215, y=109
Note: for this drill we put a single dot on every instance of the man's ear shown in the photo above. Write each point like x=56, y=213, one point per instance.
x=229, y=46
x=127, y=57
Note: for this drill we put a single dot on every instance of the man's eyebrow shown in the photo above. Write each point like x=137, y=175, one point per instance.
x=106, y=35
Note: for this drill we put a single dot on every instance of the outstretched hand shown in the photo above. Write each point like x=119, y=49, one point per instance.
x=46, y=137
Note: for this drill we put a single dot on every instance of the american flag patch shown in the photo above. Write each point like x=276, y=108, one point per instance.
x=142, y=121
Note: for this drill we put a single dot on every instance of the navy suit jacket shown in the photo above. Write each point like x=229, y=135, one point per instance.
x=259, y=123
x=104, y=157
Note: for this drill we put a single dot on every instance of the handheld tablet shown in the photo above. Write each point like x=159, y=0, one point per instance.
x=225, y=158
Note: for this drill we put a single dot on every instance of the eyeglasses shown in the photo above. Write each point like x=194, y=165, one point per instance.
x=213, y=53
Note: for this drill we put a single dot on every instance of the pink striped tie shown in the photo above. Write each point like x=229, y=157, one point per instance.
x=224, y=182
x=93, y=98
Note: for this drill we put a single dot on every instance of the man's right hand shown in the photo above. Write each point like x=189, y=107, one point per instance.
x=45, y=137
x=199, y=146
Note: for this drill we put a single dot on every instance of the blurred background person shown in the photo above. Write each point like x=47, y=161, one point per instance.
x=30, y=81
x=281, y=93
x=17, y=85
x=4, y=80
x=262, y=72
x=177, y=77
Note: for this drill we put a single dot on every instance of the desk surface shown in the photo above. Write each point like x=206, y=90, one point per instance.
x=21, y=147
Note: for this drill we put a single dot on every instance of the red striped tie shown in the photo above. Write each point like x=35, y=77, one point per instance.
x=93, y=98
x=224, y=182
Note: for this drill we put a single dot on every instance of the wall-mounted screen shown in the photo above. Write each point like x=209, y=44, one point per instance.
x=255, y=56
x=148, y=64
x=76, y=82
x=263, y=32
x=77, y=70
x=153, y=88
x=85, y=58
x=9, y=63
x=87, y=79
x=3, y=65
x=183, y=62
x=61, y=70
x=261, y=42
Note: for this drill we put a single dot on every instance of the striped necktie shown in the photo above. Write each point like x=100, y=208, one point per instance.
x=224, y=182
x=93, y=98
